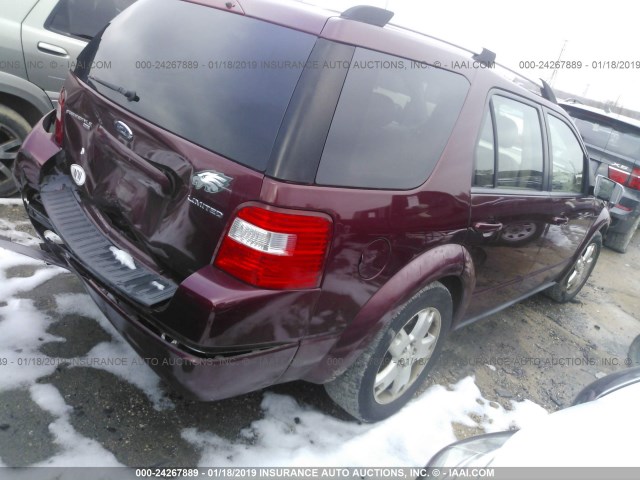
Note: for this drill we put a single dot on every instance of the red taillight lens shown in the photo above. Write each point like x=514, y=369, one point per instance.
x=618, y=175
x=622, y=177
x=59, y=126
x=270, y=249
x=634, y=181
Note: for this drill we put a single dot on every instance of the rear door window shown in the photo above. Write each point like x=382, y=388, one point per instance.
x=509, y=152
x=520, y=148
x=567, y=158
x=485, y=155
x=84, y=18
x=392, y=123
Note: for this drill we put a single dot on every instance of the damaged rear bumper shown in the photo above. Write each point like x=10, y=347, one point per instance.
x=174, y=332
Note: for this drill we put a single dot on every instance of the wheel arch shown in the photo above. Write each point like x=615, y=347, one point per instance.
x=451, y=265
x=600, y=225
x=24, y=97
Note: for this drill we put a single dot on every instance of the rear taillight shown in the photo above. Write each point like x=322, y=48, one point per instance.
x=634, y=181
x=618, y=175
x=272, y=249
x=622, y=177
x=59, y=126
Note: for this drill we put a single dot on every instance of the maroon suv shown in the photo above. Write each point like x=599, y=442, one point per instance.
x=268, y=192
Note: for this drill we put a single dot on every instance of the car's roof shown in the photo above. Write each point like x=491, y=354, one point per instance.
x=602, y=113
x=392, y=39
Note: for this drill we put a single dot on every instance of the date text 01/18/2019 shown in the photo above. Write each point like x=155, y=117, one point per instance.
x=579, y=64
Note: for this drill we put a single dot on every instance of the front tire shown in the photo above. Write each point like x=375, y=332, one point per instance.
x=13, y=130
x=387, y=374
x=574, y=280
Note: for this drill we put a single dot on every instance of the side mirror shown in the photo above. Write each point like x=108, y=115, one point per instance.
x=608, y=190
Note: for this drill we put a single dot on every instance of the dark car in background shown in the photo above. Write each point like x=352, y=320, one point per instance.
x=613, y=143
x=287, y=193
x=39, y=43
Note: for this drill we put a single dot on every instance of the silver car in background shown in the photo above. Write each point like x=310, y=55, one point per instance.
x=39, y=43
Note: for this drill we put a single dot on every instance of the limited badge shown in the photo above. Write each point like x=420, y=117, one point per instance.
x=78, y=175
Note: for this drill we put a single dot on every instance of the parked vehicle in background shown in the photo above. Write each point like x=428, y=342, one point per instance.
x=613, y=143
x=288, y=193
x=573, y=437
x=39, y=43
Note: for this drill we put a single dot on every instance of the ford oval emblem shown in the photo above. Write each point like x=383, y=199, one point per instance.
x=78, y=175
x=123, y=129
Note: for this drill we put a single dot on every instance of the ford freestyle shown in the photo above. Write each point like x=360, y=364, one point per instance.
x=268, y=192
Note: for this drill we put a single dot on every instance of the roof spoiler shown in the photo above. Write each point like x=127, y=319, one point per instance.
x=368, y=14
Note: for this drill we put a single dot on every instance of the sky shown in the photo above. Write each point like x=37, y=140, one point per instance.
x=536, y=31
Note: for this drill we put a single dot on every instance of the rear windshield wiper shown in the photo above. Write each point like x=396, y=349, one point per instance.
x=129, y=94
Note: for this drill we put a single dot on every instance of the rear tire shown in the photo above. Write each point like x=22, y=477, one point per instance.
x=571, y=284
x=619, y=241
x=13, y=130
x=394, y=365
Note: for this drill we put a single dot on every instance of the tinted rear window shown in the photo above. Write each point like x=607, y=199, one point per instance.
x=392, y=123
x=218, y=79
x=606, y=134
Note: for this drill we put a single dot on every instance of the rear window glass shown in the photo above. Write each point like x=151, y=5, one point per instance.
x=608, y=135
x=218, y=79
x=392, y=123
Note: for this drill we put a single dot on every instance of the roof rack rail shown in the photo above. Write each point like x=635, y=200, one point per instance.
x=547, y=92
x=368, y=14
x=488, y=57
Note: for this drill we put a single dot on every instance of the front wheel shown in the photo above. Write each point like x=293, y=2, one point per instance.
x=387, y=374
x=566, y=289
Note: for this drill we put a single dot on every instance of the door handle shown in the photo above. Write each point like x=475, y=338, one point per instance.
x=560, y=220
x=487, y=229
x=52, y=49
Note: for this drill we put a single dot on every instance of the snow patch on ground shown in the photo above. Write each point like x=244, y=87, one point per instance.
x=133, y=370
x=123, y=257
x=48, y=398
x=9, y=230
x=22, y=326
x=22, y=332
x=292, y=434
x=11, y=286
x=77, y=450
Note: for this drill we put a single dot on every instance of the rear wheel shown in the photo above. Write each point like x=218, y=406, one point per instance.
x=13, y=130
x=572, y=283
x=619, y=241
x=387, y=374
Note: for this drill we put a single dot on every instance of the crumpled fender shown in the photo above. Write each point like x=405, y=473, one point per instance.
x=435, y=264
